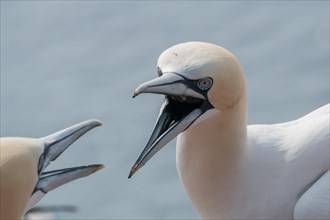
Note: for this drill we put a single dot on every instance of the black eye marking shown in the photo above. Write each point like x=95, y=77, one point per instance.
x=159, y=71
x=204, y=84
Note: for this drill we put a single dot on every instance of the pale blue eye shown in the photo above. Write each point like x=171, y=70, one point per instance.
x=204, y=84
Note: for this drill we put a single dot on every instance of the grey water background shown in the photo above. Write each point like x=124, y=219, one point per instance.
x=66, y=62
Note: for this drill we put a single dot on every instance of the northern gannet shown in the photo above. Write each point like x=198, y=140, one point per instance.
x=23, y=161
x=231, y=170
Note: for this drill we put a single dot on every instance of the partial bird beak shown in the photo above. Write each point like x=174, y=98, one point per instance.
x=52, y=179
x=182, y=106
x=169, y=84
x=57, y=143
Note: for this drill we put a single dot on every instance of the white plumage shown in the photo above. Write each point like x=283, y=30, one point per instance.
x=23, y=180
x=231, y=170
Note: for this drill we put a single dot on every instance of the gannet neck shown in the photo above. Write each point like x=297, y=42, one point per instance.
x=215, y=143
x=200, y=165
x=19, y=162
x=231, y=170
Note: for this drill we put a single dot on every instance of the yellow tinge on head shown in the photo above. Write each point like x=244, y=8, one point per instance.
x=195, y=60
x=18, y=170
x=23, y=161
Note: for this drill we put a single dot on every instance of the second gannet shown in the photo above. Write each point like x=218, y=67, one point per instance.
x=23, y=161
x=231, y=170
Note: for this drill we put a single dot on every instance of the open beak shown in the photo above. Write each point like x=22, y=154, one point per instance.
x=183, y=104
x=55, y=145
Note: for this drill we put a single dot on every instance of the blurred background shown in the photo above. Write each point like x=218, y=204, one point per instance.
x=63, y=62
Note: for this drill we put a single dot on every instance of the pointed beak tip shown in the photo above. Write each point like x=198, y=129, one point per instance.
x=96, y=122
x=99, y=167
x=140, y=89
x=133, y=170
x=130, y=175
x=135, y=94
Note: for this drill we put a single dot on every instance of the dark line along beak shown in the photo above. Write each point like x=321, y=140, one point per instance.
x=57, y=143
x=175, y=115
x=53, y=179
x=52, y=209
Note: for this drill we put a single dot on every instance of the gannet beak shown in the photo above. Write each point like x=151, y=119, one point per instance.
x=169, y=84
x=52, y=179
x=57, y=143
x=54, y=145
x=184, y=103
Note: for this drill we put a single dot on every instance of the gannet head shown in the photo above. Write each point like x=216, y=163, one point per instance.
x=23, y=161
x=194, y=77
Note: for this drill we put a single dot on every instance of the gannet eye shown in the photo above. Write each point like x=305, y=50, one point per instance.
x=159, y=71
x=204, y=84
